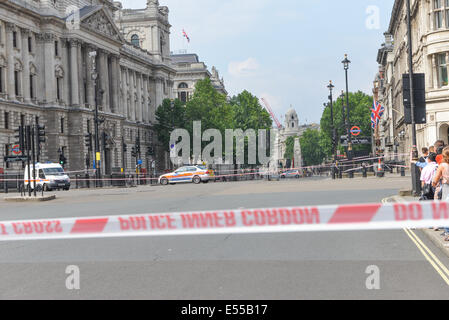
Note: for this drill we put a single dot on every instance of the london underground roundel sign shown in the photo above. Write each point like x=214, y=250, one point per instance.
x=355, y=131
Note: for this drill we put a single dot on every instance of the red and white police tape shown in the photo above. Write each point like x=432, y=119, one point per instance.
x=273, y=220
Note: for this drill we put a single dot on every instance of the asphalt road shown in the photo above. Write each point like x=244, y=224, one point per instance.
x=324, y=265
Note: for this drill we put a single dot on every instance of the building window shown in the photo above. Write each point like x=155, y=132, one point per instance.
x=14, y=39
x=183, y=96
x=30, y=44
x=22, y=120
x=6, y=120
x=56, y=48
x=438, y=13
x=16, y=83
x=58, y=88
x=62, y=125
x=31, y=86
x=135, y=40
x=1, y=80
x=7, y=153
x=442, y=70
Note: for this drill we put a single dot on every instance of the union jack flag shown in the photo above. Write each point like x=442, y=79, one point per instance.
x=184, y=34
x=376, y=113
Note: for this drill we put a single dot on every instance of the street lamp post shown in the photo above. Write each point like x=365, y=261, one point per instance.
x=330, y=87
x=346, y=63
x=97, y=156
x=415, y=169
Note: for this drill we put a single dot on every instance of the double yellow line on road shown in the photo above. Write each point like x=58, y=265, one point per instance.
x=429, y=255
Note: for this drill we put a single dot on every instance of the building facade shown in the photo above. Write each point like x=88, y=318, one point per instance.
x=430, y=40
x=190, y=70
x=46, y=66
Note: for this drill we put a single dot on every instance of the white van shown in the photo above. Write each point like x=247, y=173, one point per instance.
x=49, y=176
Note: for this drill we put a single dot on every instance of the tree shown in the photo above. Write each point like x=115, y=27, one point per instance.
x=360, y=115
x=248, y=113
x=290, y=148
x=311, y=151
x=169, y=116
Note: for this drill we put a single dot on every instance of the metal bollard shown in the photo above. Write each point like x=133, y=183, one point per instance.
x=402, y=172
x=76, y=181
x=365, y=172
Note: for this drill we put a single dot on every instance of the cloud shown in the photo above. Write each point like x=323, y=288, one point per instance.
x=243, y=68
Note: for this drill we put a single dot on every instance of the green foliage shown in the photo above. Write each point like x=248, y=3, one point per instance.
x=169, y=116
x=248, y=113
x=214, y=111
x=290, y=148
x=360, y=115
x=209, y=106
x=311, y=150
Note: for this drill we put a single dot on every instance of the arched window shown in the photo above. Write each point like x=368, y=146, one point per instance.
x=135, y=40
x=183, y=85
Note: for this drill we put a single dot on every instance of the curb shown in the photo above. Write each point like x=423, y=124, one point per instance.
x=433, y=236
x=30, y=199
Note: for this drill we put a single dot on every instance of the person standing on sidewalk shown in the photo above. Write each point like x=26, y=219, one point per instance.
x=442, y=179
x=427, y=175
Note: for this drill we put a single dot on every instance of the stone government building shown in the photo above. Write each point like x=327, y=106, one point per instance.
x=45, y=77
x=430, y=37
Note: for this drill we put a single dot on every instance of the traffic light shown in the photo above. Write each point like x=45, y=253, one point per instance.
x=62, y=160
x=138, y=144
x=40, y=134
x=20, y=138
x=134, y=152
x=105, y=138
x=125, y=147
x=88, y=141
x=40, y=138
x=150, y=151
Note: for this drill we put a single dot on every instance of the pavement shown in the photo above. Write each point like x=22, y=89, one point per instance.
x=307, y=265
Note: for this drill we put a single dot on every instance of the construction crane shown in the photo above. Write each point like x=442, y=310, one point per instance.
x=270, y=111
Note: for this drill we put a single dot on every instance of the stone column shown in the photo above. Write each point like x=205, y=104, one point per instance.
x=26, y=66
x=49, y=67
x=139, y=96
x=81, y=72
x=104, y=78
x=124, y=72
x=115, y=84
x=132, y=94
x=145, y=100
x=10, y=28
x=74, y=80
x=90, y=82
x=159, y=91
x=435, y=71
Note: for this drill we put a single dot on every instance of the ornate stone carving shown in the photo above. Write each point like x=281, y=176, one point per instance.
x=45, y=37
x=18, y=66
x=33, y=69
x=10, y=27
x=3, y=61
x=100, y=23
x=74, y=43
x=59, y=72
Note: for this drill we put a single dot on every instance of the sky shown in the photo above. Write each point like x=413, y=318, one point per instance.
x=283, y=50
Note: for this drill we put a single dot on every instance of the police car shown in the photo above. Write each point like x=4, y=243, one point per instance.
x=195, y=174
x=291, y=174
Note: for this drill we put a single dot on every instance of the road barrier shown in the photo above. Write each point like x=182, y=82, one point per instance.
x=265, y=220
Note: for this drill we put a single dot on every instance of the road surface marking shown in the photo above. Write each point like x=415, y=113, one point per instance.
x=418, y=243
x=442, y=266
